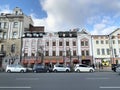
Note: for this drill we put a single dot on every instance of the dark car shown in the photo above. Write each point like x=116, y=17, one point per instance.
x=114, y=66
x=40, y=68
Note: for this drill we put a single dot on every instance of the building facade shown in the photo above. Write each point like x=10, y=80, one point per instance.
x=71, y=47
x=12, y=27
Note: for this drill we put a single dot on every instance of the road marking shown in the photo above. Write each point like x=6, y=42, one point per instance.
x=103, y=87
x=15, y=87
x=27, y=78
x=98, y=78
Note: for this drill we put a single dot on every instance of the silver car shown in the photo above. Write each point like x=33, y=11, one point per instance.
x=15, y=68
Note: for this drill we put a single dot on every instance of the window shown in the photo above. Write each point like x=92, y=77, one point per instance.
x=106, y=41
x=15, y=25
x=25, y=54
x=13, y=48
x=47, y=43
x=14, y=34
x=1, y=35
x=82, y=43
x=60, y=53
x=118, y=41
x=115, y=51
x=54, y=53
x=113, y=41
x=67, y=43
x=87, y=53
x=98, y=51
x=2, y=47
x=47, y=53
x=103, y=51
x=33, y=54
x=97, y=42
x=83, y=53
x=5, y=35
x=74, y=53
x=0, y=25
x=68, y=53
x=5, y=25
x=86, y=43
x=74, y=43
x=54, y=43
x=102, y=42
x=108, y=51
x=60, y=43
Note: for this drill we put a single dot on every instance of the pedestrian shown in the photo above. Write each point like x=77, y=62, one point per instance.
x=93, y=65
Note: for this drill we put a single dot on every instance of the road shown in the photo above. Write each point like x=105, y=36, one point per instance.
x=60, y=81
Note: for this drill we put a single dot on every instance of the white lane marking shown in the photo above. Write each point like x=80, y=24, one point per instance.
x=15, y=87
x=27, y=78
x=109, y=87
x=98, y=78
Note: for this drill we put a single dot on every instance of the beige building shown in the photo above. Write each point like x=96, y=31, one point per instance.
x=12, y=27
x=106, y=48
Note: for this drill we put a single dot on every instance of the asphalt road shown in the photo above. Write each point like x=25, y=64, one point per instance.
x=60, y=81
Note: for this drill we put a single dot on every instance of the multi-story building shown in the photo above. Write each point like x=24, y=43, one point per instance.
x=12, y=27
x=69, y=47
x=106, y=48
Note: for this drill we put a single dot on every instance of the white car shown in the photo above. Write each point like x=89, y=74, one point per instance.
x=83, y=68
x=15, y=68
x=60, y=68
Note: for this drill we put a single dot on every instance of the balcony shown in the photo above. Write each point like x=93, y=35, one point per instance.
x=2, y=53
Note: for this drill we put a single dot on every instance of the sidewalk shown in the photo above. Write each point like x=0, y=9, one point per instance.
x=105, y=69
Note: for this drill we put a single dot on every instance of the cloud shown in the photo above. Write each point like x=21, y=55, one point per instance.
x=66, y=14
x=5, y=9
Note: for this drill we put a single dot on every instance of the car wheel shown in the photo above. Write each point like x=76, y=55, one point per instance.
x=67, y=70
x=91, y=70
x=78, y=70
x=8, y=71
x=34, y=71
x=55, y=70
x=22, y=71
x=47, y=71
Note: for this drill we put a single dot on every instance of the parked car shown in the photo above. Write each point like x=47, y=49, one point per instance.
x=15, y=68
x=61, y=68
x=83, y=68
x=118, y=70
x=41, y=68
x=114, y=66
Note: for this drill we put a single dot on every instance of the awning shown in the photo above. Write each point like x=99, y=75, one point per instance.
x=75, y=61
x=61, y=61
x=46, y=61
x=37, y=61
x=31, y=61
x=53, y=61
x=24, y=61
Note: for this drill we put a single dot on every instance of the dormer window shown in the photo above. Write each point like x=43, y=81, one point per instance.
x=16, y=12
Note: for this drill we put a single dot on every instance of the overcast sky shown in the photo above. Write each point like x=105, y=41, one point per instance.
x=96, y=16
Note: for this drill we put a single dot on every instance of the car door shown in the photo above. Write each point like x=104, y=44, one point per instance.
x=18, y=68
x=83, y=68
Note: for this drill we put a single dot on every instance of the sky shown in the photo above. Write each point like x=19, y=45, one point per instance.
x=98, y=17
